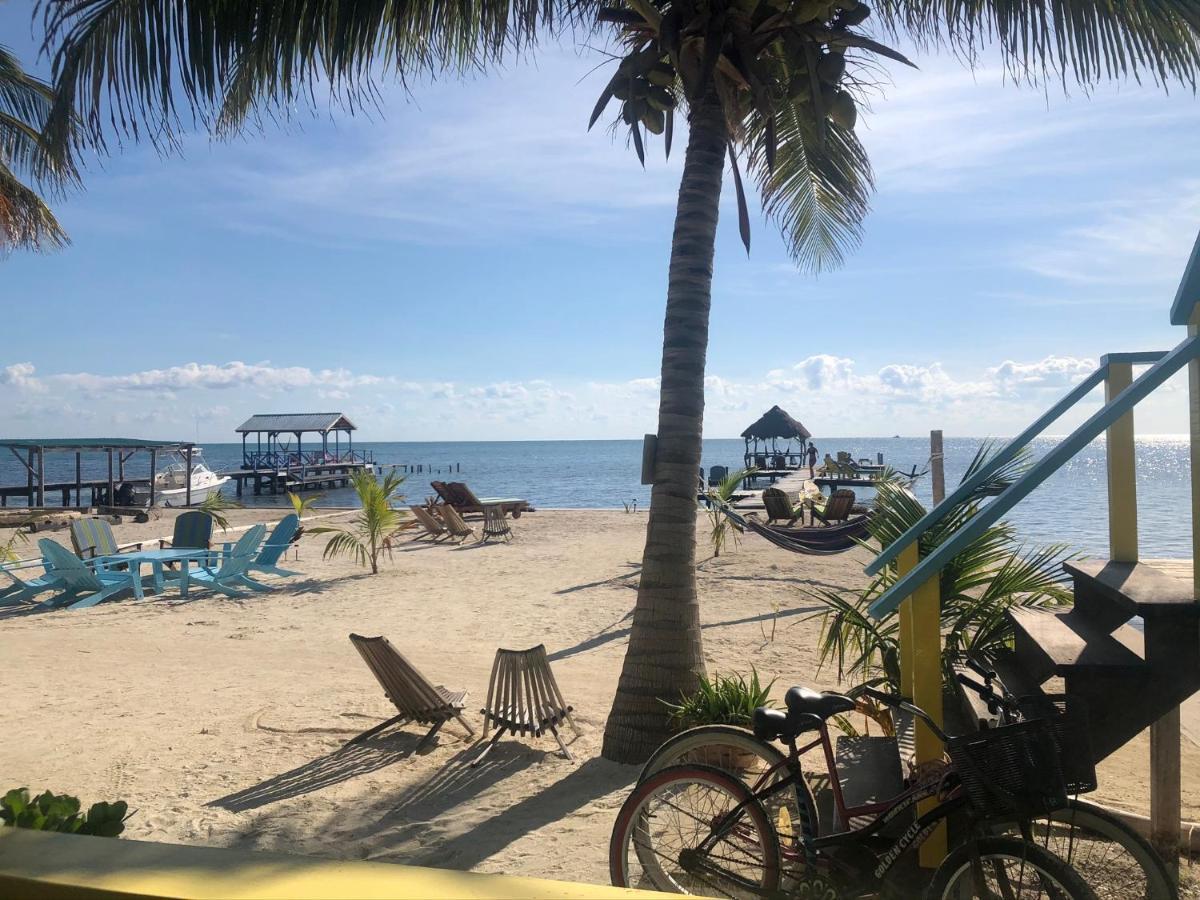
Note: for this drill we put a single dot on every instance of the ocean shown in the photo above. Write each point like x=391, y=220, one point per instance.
x=1070, y=507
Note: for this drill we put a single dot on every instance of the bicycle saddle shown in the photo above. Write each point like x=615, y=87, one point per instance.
x=805, y=709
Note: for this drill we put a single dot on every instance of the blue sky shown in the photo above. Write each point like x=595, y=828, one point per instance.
x=472, y=263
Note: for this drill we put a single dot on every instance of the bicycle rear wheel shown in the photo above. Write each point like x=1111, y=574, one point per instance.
x=657, y=841
x=1005, y=868
x=756, y=764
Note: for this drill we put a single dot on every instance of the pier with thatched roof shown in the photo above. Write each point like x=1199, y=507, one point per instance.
x=763, y=450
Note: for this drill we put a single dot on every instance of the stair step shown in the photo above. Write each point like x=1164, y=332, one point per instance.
x=1055, y=643
x=1136, y=588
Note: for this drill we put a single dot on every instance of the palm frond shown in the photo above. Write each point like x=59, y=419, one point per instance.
x=26, y=221
x=1084, y=41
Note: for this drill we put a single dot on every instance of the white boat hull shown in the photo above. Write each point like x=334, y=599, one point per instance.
x=178, y=496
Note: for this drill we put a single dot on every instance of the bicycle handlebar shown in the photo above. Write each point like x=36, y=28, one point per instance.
x=995, y=702
x=895, y=700
x=988, y=675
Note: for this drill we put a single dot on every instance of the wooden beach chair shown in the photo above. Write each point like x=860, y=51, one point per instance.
x=23, y=590
x=779, y=507
x=464, y=501
x=454, y=523
x=837, y=508
x=413, y=695
x=433, y=528
x=75, y=578
x=274, y=547
x=94, y=537
x=716, y=475
x=495, y=525
x=523, y=697
x=232, y=572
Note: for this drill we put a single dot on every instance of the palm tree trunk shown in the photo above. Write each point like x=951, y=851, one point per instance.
x=665, y=657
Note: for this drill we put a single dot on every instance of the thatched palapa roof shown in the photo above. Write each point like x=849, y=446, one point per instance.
x=775, y=423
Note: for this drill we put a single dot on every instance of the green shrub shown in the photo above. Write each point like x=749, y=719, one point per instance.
x=721, y=700
x=61, y=812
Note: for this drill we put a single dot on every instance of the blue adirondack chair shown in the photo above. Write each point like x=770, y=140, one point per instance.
x=77, y=578
x=231, y=574
x=22, y=590
x=274, y=548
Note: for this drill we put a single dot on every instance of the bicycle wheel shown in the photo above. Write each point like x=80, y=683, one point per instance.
x=1009, y=869
x=756, y=764
x=656, y=841
x=1116, y=861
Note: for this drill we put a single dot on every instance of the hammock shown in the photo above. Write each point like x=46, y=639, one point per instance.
x=825, y=541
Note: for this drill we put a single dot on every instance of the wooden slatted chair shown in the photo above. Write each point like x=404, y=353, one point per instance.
x=432, y=528
x=523, y=697
x=455, y=524
x=416, y=698
x=779, y=507
x=495, y=525
x=837, y=508
x=92, y=538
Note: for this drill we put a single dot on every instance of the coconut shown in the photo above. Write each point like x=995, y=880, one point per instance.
x=654, y=120
x=831, y=67
x=843, y=110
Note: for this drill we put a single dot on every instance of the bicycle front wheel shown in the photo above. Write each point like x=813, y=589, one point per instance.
x=1005, y=868
x=1116, y=861
x=694, y=830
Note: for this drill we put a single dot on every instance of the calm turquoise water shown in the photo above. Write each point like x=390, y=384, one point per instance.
x=1071, y=506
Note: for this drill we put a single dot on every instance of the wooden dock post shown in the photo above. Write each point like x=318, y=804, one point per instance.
x=937, y=466
x=41, y=477
x=109, y=499
x=153, y=469
x=29, y=478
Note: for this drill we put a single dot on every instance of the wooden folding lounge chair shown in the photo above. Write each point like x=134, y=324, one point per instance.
x=454, y=523
x=433, y=528
x=837, y=508
x=524, y=697
x=495, y=525
x=416, y=698
x=779, y=507
x=77, y=578
x=464, y=501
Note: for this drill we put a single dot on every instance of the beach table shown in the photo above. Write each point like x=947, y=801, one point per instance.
x=157, y=559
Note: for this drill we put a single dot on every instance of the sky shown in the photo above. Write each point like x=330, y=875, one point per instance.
x=470, y=262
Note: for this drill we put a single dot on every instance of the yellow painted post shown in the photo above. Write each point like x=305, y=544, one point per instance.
x=921, y=679
x=1122, y=481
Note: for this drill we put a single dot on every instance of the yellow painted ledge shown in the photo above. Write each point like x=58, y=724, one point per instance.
x=37, y=865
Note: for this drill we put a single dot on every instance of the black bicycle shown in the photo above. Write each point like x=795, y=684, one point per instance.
x=694, y=828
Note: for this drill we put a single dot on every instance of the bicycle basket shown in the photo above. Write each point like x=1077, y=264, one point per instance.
x=1069, y=728
x=1010, y=770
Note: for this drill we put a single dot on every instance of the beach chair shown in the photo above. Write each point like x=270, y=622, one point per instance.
x=93, y=537
x=433, y=527
x=495, y=525
x=454, y=523
x=23, y=590
x=716, y=475
x=837, y=508
x=75, y=578
x=231, y=574
x=464, y=501
x=779, y=507
x=413, y=695
x=192, y=531
x=274, y=548
x=524, y=697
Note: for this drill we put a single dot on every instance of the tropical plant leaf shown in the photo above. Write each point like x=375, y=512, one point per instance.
x=743, y=212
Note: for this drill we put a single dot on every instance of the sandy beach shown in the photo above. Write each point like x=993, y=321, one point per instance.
x=222, y=722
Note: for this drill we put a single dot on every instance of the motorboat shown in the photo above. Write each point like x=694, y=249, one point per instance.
x=170, y=483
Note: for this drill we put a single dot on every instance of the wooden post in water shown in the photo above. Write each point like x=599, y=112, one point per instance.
x=153, y=467
x=41, y=477
x=29, y=479
x=109, y=499
x=78, y=478
x=937, y=466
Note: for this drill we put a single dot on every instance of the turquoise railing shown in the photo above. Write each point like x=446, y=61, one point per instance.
x=1163, y=364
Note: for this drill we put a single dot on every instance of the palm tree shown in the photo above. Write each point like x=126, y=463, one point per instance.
x=373, y=526
x=771, y=81
x=26, y=222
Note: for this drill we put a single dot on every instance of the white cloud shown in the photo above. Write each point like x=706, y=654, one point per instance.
x=21, y=376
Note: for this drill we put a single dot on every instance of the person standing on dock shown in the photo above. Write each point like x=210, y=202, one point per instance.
x=812, y=460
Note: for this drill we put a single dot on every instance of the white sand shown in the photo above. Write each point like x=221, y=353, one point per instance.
x=221, y=721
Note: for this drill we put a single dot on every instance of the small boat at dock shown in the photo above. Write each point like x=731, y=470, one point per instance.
x=171, y=484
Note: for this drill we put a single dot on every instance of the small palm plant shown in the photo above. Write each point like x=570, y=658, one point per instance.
x=369, y=535
x=8, y=549
x=991, y=574
x=722, y=529
x=215, y=505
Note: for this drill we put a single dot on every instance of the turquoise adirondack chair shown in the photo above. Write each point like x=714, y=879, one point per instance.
x=275, y=547
x=77, y=578
x=232, y=572
x=22, y=590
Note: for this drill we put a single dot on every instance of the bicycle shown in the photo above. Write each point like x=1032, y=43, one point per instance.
x=1116, y=860
x=695, y=828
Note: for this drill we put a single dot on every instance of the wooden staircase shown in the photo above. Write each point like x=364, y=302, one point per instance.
x=1127, y=676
